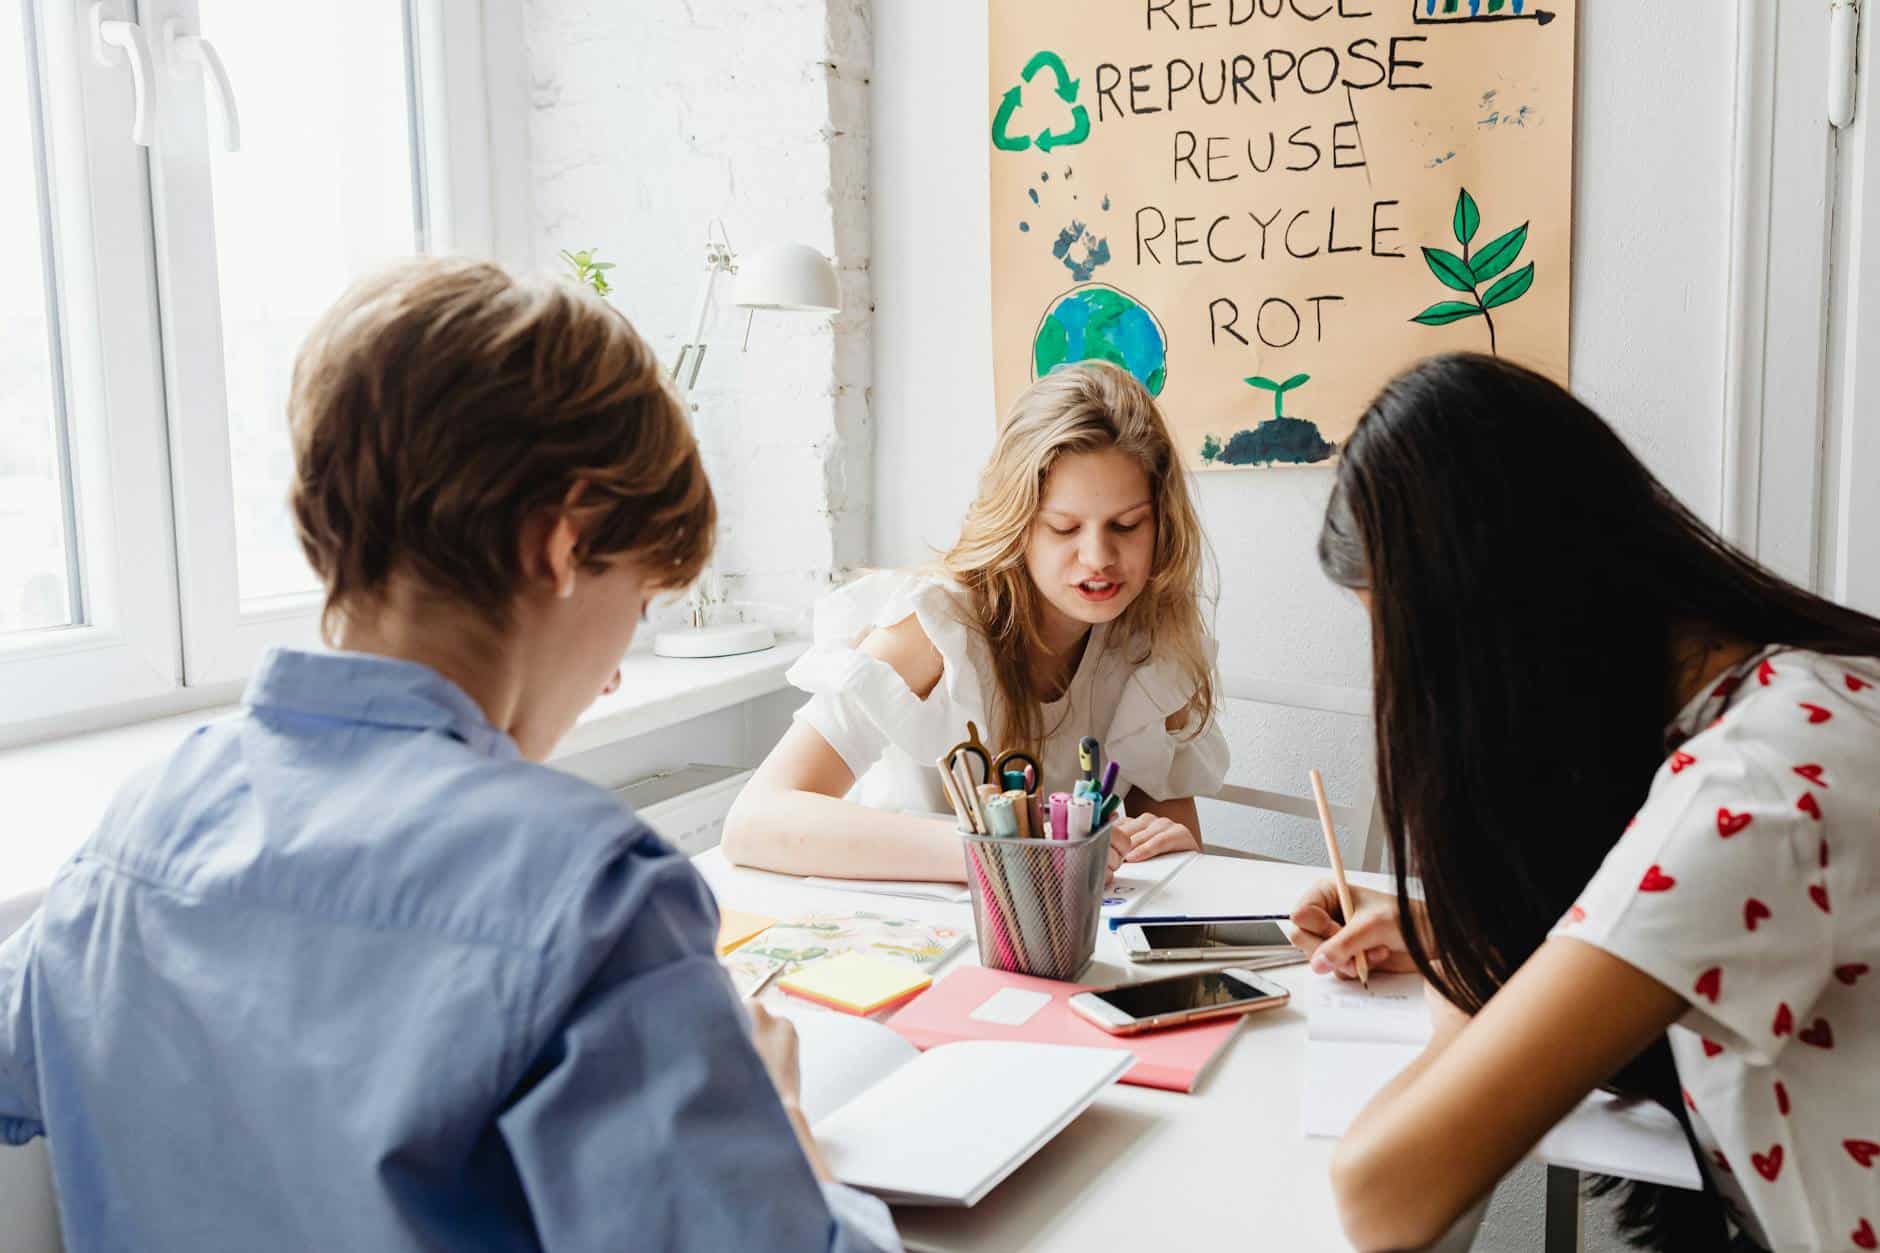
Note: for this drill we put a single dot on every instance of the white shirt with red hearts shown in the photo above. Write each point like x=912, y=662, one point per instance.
x=1749, y=883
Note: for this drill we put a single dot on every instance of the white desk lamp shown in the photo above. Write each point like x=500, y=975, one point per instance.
x=787, y=277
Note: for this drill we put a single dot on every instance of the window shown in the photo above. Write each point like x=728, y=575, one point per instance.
x=39, y=580
x=153, y=292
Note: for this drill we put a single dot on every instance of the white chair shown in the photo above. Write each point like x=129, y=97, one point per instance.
x=31, y=1224
x=1360, y=823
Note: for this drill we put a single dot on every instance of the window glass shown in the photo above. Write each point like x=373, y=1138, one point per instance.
x=323, y=190
x=37, y=572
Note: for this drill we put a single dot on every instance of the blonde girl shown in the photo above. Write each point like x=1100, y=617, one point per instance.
x=1070, y=606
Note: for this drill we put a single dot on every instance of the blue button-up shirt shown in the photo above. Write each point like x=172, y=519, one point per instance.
x=345, y=972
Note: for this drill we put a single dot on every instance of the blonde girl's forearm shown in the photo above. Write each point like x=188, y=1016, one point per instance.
x=803, y=832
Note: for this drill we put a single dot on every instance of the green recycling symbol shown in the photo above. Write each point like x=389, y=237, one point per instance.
x=1067, y=86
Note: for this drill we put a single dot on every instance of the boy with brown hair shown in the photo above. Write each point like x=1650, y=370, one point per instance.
x=351, y=969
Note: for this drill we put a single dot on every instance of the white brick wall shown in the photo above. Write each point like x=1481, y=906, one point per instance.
x=647, y=121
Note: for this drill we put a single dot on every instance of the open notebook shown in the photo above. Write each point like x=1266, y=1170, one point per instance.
x=1357, y=1041
x=941, y=1127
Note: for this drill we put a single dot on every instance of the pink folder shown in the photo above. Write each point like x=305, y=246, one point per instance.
x=1172, y=1059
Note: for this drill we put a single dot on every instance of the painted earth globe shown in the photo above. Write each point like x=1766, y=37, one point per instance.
x=1097, y=322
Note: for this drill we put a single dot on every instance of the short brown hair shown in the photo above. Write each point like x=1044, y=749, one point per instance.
x=440, y=403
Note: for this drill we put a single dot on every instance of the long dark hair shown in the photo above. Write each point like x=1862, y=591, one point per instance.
x=1528, y=577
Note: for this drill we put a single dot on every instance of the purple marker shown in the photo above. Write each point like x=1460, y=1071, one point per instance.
x=1109, y=780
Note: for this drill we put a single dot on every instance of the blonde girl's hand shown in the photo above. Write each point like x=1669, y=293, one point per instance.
x=1142, y=836
x=1374, y=929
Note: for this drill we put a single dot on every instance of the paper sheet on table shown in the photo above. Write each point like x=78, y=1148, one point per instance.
x=1137, y=881
x=913, y=889
x=1358, y=1040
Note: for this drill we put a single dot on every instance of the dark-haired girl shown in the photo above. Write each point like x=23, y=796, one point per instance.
x=1638, y=777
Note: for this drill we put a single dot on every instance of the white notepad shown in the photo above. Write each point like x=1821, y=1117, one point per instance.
x=1357, y=1041
x=942, y=1127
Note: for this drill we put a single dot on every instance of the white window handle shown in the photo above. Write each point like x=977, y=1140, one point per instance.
x=180, y=52
x=111, y=39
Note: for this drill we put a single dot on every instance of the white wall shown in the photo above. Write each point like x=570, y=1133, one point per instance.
x=1652, y=214
x=645, y=122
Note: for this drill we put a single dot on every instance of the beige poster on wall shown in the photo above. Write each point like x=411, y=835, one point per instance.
x=1265, y=208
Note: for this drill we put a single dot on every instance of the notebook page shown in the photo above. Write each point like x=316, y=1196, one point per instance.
x=1137, y=881
x=948, y=1126
x=840, y=1056
x=1358, y=1041
x=1391, y=1011
x=1341, y=1078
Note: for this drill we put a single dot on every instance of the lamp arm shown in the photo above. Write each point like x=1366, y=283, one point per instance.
x=695, y=346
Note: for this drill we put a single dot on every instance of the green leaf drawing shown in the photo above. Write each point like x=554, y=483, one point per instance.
x=1279, y=390
x=1499, y=254
x=1468, y=218
x=1468, y=272
x=1510, y=288
x=1451, y=269
x=1447, y=311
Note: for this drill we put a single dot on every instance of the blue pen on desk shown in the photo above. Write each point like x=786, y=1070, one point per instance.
x=1201, y=918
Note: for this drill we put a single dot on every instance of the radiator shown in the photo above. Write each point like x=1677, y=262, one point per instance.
x=687, y=806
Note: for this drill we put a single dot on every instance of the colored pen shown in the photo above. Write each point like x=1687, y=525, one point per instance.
x=1080, y=810
x=1087, y=752
x=953, y=796
x=1014, y=780
x=1000, y=818
x=1060, y=816
x=1021, y=810
x=1109, y=779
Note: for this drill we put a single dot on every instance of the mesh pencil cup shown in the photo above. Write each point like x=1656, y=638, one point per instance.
x=1035, y=902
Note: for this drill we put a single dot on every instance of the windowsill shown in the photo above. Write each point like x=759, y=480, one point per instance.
x=54, y=792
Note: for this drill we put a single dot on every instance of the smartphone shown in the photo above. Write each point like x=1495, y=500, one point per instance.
x=1132, y=1007
x=1203, y=941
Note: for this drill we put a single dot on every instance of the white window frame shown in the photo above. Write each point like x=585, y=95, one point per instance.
x=1851, y=563
x=222, y=637
x=164, y=628
x=112, y=383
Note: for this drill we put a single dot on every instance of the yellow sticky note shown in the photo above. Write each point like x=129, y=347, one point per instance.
x=735, y=927
x=856, y=983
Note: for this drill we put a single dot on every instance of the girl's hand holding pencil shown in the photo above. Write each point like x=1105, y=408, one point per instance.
x=1374, y=929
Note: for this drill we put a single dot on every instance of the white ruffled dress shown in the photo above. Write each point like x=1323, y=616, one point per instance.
x=890, y=739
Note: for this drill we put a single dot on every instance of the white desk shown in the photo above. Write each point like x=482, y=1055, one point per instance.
x=1142, y=1168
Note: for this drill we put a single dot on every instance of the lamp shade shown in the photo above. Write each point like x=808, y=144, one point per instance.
x=787, y=276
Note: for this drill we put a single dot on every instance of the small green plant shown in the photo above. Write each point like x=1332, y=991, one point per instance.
x=1468, y=272
x=1279, y=390
x=1210, y=449
x=589, y=269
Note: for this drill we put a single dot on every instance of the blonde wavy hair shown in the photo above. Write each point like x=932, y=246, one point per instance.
x=1082, y=408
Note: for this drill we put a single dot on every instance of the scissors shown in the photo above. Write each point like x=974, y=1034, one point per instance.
x=1015, y=761
x=977, y=756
